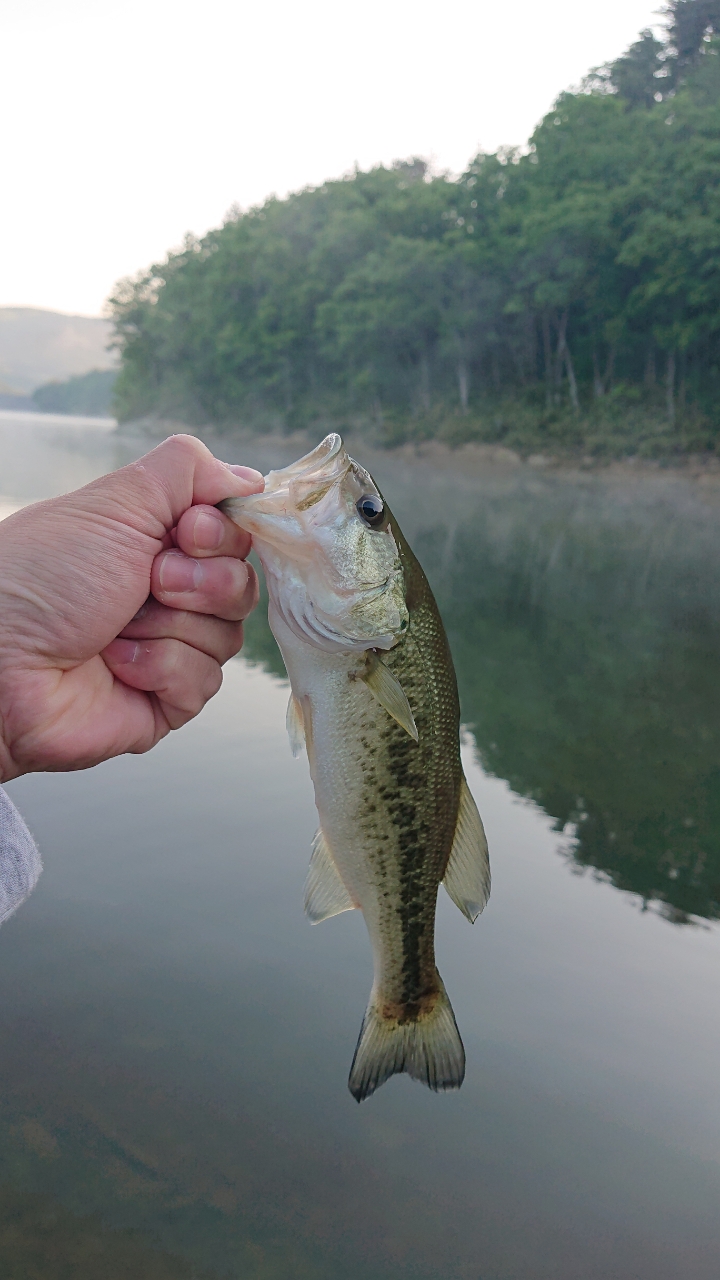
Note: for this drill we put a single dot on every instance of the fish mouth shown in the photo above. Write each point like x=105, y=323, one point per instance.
x=317, y=459
x=292, y=524
x=298, y=485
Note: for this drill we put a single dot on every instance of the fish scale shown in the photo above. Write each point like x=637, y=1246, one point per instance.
x=375, y=697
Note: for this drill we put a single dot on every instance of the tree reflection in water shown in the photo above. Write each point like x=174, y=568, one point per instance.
x=584, y=617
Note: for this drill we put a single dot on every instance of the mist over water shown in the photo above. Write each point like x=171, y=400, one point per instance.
x=584, y=616
x=176, y=1038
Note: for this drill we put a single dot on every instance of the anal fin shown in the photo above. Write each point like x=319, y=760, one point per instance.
x=467, y=878
x=389, y=692
x=295, y=725
x=325, y=893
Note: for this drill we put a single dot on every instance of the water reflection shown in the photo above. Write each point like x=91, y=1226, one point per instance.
x=175, y=1037
x=175, y=1041
x=39, y=1237
x=42, y=455
x=586, y=638
x=584, y=618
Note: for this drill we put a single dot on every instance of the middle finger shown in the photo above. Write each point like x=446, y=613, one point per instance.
x=221, y=585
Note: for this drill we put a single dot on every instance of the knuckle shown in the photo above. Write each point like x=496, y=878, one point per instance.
x=175, y=716
x=214, y=681
x=193, y=704
x=202, y=689
x=183, y=446
x=195, y=679
x=234, y=637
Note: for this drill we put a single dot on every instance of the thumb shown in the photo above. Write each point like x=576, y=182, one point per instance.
x=152, y=493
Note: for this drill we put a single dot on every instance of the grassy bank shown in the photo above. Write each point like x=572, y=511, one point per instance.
x=625, y=423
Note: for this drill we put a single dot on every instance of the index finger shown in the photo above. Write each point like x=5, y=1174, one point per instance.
x=205, y=531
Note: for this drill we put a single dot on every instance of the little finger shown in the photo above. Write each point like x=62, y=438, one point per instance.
x=182, y=677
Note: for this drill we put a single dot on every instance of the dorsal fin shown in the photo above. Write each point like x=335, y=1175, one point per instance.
x=295, y=725
x=389, y=692
x=467, y=878
x=325, y=893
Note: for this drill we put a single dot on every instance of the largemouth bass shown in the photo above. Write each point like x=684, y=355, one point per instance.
x=374, y=700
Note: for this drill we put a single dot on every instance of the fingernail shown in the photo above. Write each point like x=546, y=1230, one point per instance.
x=141, y=612
x=180, y=573
x=246, y=473
x=122, y=652
x=208, y=532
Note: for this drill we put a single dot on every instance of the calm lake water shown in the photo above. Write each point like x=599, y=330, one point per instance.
x=175, y=1038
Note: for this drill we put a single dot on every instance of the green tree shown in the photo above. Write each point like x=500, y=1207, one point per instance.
x=691, y=23
x=639, y=74
x=551, y=278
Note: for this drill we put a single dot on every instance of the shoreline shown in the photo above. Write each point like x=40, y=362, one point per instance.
x=470, y=458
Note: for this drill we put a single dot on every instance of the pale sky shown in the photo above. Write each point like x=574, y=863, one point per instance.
x=126, y=124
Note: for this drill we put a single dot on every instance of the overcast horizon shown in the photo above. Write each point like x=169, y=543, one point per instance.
x=127, y=129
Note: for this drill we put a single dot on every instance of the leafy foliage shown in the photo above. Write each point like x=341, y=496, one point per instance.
x=547, y=280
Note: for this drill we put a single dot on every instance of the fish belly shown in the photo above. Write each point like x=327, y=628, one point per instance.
x=387, y=808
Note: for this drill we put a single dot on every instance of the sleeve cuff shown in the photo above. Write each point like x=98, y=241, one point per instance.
x=20, y=863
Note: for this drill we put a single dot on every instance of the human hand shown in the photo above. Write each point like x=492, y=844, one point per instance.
x=118, y=605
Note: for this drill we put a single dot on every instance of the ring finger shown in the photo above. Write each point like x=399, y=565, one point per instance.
x=217, y=637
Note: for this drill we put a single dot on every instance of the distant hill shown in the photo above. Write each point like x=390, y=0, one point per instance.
x=37, y=347
x=88, y=393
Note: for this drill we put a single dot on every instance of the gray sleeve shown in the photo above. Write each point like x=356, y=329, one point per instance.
x=20, y=864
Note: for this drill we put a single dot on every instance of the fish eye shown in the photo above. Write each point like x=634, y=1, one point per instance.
x=371, y=510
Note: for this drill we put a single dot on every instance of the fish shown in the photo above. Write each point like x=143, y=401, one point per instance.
x=374, y=701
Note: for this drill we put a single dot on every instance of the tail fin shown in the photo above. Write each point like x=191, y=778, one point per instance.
x=428, y=1048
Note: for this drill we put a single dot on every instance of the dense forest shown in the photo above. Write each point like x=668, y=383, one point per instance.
x=561, y=295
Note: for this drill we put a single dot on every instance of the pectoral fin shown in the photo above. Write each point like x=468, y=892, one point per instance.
x=389, y=692
x=467, y=878
x=325, y=893
x=295, y=725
